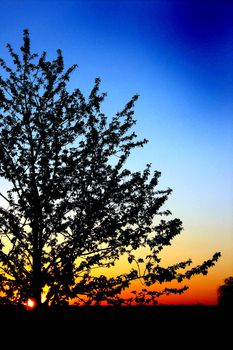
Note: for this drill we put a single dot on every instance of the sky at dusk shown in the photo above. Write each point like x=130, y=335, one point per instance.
x=178, y=56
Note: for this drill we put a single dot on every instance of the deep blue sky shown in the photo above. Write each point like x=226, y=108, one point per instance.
x=178, y=56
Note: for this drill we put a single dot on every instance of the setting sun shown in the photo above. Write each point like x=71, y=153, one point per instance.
x=30, y=304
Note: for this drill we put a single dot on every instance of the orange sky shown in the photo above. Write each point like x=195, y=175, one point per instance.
x=202, y=289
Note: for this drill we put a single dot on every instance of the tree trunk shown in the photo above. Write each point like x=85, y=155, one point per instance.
x=37, y=249
x=36, y=275
x=36, y=267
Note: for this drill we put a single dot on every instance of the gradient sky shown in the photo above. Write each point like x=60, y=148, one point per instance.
x=178, y=56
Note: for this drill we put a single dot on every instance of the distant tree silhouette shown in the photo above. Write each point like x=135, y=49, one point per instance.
x=225, y=293
x=73, y=206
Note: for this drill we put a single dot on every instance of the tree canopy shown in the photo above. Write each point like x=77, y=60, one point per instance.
x=73, y=206
x=225, y=293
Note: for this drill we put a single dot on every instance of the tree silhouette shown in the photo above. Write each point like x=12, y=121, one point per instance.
x=73, y=205
x=225, y=293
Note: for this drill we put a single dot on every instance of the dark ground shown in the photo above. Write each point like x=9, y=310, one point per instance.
x=176, y=326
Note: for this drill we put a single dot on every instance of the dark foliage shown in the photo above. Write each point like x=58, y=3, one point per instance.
x=225, y=293
x=73, y=206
